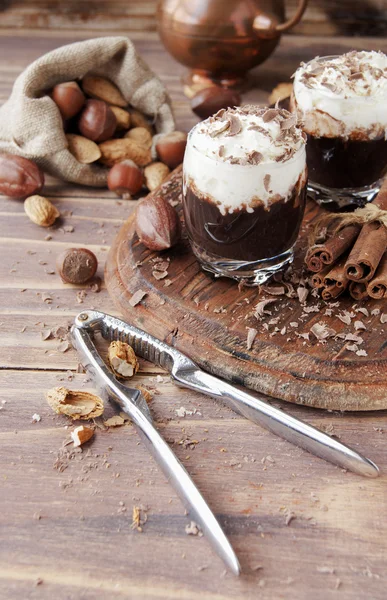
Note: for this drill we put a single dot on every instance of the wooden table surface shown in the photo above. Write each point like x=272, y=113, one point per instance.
x=301, y=527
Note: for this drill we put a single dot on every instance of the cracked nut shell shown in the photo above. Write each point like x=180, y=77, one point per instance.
x=97, y=121
x=76, y=265
x=122, y=360
x=74, y=403
x=157, y=223
x=19, y=177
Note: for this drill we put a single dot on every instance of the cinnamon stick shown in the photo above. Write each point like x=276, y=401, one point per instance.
x=358, y=290
x=326, y=254
x=377, y=287
x=317, y=279
x=367, y=252
x=335, y=281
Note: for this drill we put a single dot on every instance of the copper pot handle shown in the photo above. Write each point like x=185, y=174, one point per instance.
x=264, y=26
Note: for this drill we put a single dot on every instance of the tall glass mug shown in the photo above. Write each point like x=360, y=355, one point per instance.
x=244, y=186
x=342, y=103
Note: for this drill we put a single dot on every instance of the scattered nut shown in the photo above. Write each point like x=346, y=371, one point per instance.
x=76, y=265
x=40, y=210
x=157, y=223
x=115, y=421
x=122, y=117
x=208, y=101
x=125, y=179
x=97, y=121
x=19, y=177
x=141, y=135
x=103, y=89
x=171, y=147
x=155, y=174
x=146, y=393
x=122, y=360
x=137, y=119
x=84, y=150
x=81, y=435
x=74, y=403
x=115, y=151
x=69, y=98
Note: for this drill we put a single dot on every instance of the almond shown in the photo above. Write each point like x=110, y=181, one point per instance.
x=155, y=174
x=84, y=150
x=103, y=89
x=115, y=151
x=141, y=135
x=81, y=435
x=122, y=117
x=122, y=360
x=40, y=210
x=139, y=120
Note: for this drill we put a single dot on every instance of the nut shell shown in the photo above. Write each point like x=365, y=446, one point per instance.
x=115, y=151
x=208, y=101
x=97, y=121
x=40, y=210
x=155, y=174
x=141, y=135
x=122, y=360
x=157, y=223
x=84, y=150
x=77, y=265
x=125, y=178
x=103, y=89
x=19, y=177
x=137, y=119
x=122, y=117
x=75, y=404
x=69, y=98
x=171, y=147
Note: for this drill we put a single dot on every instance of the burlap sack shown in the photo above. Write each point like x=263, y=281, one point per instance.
x=30, y=122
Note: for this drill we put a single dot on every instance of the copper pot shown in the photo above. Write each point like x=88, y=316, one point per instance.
x=222, y=40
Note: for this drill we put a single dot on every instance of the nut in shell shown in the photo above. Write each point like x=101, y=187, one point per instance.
x=141, y=135
x=41, y=211
x=137, y=119
x=81, y=435
x=19, y=177
x=157, y=223
x=115, y=151
x=74, y=403
x=84, y=150
x=155, y=174
x=122, y=360
x=122, y=117
x=103, y=89
x=76, y=265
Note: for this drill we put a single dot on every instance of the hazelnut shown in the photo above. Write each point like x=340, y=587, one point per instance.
x=69, y=98
x=97, y=121
x=19, y=177
x=125, y=178
x=171, y=147
x=208, y=101
x=157, y=223
x=76, y=265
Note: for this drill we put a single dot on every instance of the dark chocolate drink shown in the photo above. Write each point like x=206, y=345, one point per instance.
x=244, y=191
x=342, y=103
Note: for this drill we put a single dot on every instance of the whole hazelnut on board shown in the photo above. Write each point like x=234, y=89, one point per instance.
x=208, y=101
x=125, y=179
x=69, y=98
x=171, y=147
x=97, y=121
x=76, y=265
x=19, y=177
x=157, y=223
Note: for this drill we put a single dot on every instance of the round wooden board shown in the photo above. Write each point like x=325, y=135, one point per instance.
x=207, y=319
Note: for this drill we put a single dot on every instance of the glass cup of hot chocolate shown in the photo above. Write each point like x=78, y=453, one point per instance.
x=244, y=188
x=342, y=103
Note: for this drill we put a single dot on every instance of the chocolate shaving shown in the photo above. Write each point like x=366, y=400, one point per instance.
x=270, y=115
x=221, y=127
x=289, y=122
x=357, y=75
x=255, y=127
x=266, y=182
x=235, y=126
x=254, y=157
x=221, y=150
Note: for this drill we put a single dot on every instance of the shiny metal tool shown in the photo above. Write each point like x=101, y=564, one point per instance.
x=186, y=373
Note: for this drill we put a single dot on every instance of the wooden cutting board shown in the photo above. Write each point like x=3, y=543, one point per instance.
x=207, y=319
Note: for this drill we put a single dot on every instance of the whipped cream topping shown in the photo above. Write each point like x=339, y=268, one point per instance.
x=244, y=156
x=343, y=96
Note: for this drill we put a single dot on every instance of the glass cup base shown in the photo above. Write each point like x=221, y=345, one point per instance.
x=251, y=273
x=336, y=199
